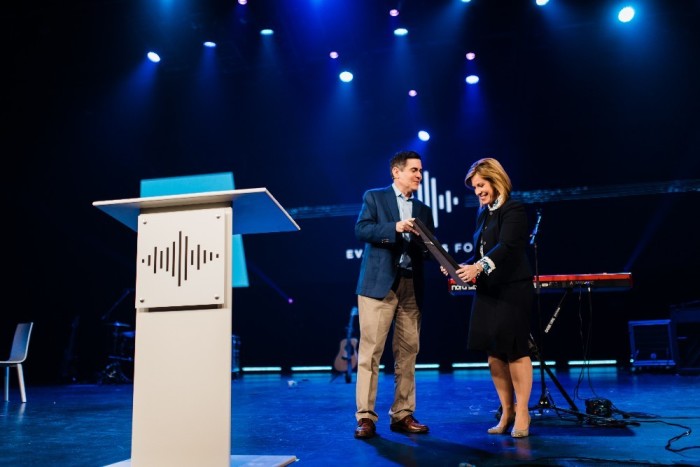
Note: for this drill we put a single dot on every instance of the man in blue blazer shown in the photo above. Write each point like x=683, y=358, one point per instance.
x=390, y=292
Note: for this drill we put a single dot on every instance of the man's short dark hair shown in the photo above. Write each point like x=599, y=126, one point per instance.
x=399, y=159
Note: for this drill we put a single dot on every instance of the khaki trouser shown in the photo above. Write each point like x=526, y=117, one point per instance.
x=376, y=317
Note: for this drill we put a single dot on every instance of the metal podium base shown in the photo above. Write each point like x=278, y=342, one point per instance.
x=242, y=461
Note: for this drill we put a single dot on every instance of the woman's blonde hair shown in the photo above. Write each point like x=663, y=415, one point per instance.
x=492, y=170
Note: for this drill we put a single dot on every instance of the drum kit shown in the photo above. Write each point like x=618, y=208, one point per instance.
x=122, y=350
x=122, y=353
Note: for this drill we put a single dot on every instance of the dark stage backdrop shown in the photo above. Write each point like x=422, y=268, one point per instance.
x=597, y=125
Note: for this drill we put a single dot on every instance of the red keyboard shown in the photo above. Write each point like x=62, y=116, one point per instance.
x=603, y=282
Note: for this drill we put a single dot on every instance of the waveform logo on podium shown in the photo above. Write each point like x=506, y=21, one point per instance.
x=178, y=260
x=181, y=258
x=427, y=192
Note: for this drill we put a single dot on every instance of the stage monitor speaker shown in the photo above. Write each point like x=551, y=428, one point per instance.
x=685, y=321
x=652, y=344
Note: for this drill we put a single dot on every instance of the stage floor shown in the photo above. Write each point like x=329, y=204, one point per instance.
x=309, y=419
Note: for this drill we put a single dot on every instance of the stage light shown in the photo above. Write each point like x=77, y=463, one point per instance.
x=472, y=79
x=470, y=365
x=333, y=55
x=393, y=12
x=154, y=57
x=541, y=2
x=346, y=76
x=413, y=93
x=242, y=2
x=591, y=362
x=261, y=369
x=400, y=31
x=427, y=366
x=304, y=369
x=471, y=55
x=209, y=44
x=423, y=135
x=626, y=14
x=266, y=32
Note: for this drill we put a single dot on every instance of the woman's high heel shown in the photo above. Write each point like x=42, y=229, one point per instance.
x=522, y=433
x=501, y=429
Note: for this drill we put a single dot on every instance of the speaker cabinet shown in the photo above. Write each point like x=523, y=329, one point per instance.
x=685, y=322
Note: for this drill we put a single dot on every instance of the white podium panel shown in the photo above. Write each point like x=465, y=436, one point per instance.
x=181, y=257
x=182, y=388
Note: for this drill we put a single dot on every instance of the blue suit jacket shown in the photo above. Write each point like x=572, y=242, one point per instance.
x=376, y=226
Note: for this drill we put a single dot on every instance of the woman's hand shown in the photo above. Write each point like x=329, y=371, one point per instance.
x=469, y=272
x=466, y=272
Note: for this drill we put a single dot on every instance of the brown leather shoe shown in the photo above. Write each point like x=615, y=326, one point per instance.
x=365, y=428
x=408, y=424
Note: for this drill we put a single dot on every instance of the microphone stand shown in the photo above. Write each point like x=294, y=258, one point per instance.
x=538, y=285
x=545, y=401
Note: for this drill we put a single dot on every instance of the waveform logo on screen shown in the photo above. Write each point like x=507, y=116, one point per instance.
x=428, y=193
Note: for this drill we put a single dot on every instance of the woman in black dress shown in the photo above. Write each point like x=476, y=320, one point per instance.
x=500, y=316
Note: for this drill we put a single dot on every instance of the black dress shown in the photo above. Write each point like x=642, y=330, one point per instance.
x=502, y=306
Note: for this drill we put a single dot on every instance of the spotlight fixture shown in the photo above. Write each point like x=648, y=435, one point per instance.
x=626, y=14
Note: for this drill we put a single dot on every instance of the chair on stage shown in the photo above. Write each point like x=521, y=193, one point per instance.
x=18, y=354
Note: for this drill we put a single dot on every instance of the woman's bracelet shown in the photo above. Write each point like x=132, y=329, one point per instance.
x=485, y=265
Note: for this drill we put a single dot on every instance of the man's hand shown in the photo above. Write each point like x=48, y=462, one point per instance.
x=406, y=226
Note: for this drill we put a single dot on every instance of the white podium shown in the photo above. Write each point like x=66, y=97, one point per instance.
x=182, y=357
